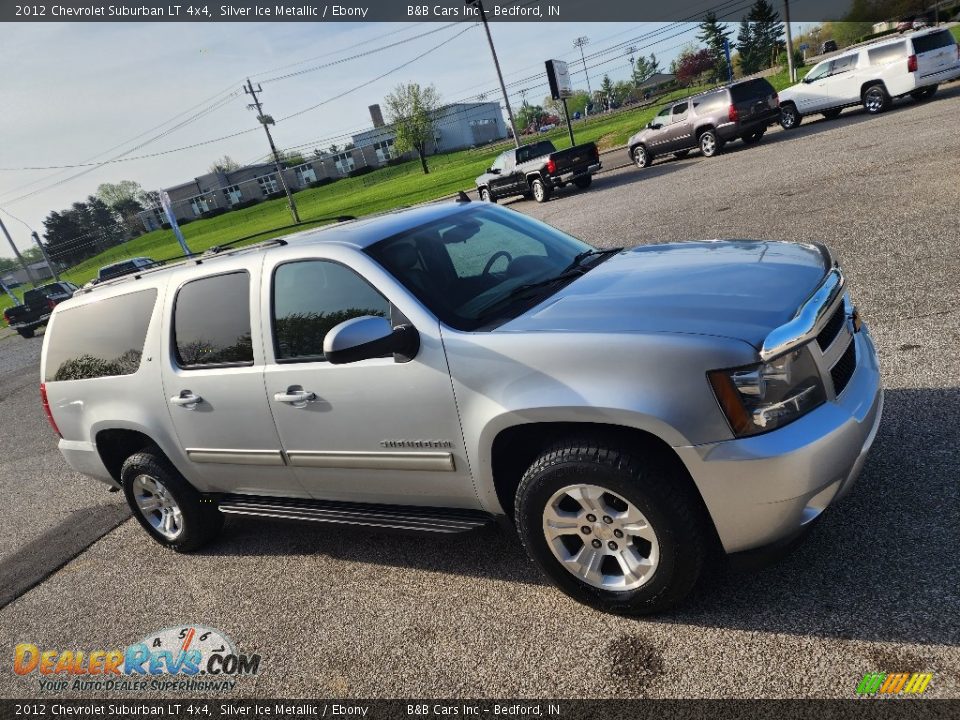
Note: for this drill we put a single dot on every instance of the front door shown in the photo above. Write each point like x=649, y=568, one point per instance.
x=679, y=134
x=811, y=94
x=213, y=383
x=377, y=430
x=659, y=132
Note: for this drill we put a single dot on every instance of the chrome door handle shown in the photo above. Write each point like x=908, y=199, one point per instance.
x=186, y=399
x=295, y=397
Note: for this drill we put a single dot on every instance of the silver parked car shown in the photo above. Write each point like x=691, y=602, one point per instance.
x=631, y=411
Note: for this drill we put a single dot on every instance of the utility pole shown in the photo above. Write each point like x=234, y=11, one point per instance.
x=580, y=42
x=478, y=4
x=46, y=258
x=267, y=121
x=23, y=263
x=791, y=71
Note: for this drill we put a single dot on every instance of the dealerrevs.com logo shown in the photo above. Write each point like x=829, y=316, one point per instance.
x=188, y=658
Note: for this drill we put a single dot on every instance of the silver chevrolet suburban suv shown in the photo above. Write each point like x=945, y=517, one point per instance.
x=631, y=411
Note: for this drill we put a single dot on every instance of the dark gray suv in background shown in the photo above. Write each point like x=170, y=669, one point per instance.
x=708, y=121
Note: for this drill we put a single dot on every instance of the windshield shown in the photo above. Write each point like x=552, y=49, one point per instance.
x=471, y=269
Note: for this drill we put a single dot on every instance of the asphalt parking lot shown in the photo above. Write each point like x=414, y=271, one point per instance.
x=341, y=613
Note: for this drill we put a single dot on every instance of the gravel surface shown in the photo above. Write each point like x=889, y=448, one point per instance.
x=873, y=588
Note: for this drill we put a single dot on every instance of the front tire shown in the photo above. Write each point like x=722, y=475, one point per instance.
x=641, y=157
x=171, y=511
x=619, y=530
x=710, y=144
x=541, y=191
x=876, y=99
x=790, y=118
x=485, y=195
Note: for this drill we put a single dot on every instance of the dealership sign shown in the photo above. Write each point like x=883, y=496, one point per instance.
x=559, y=76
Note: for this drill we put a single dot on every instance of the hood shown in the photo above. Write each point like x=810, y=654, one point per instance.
x=739, y=289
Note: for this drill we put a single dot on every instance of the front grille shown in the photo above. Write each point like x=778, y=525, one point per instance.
x=843, y=370
x=830, y=330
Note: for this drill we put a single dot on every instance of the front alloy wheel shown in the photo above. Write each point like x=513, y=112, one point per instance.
x=789, y=117
x=600, y=537
x=641, y=157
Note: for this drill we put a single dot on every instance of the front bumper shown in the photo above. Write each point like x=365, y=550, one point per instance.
x=761, y=489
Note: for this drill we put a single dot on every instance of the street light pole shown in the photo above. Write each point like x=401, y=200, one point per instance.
x=493, y=51
x=791, y=70
x=580, y=42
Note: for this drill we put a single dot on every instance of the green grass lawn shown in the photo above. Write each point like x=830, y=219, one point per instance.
x=391, y=187
x=956, y=32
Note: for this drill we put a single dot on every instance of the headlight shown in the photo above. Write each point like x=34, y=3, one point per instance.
x=763, y=397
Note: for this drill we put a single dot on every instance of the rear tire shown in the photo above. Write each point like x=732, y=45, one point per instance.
x=653, y=541
x=710, y=144
x=168, y=507
x=541, y=191
x=790, y=118
x=583, y=182
x=27, y=333
x=876, y=99
x=641, y=157
x=832, y=114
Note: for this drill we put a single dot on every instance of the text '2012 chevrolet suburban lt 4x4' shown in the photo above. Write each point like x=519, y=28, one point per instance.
x=632, y=411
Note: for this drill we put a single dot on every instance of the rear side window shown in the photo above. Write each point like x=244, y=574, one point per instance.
x=887, y=53
x=100, y=338
x=843, y=64
x=310, y=297
x=933, y=41
x=711, y=101
x=751, y=90
x=211, y=322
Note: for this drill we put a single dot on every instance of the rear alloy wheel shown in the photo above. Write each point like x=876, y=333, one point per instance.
x=171, y=511
x=832, y=114
x=876, y=99
x=641, y=157
x=924, y=93
x=789, y=117
x=710, y=144
x=620, y=530
x=541, y=191
x=485, y=195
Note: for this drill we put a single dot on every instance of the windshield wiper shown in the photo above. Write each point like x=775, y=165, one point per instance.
x=580, y=257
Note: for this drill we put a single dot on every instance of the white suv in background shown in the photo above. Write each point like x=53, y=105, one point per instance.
x=872, y=75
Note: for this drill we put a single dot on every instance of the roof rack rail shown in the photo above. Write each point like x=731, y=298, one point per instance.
x=217, y=249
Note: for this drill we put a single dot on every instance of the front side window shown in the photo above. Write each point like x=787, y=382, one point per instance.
x=843, y=64
x=211, y=322
x=818, y=73
x=662, y=117
x=475, y=268
x=310, y=297
x=680, y=110
x=500, y=163
x=100, y=338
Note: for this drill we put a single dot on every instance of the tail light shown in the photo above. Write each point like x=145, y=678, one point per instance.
x=51, y=303
x=46, y=410
x=551, y=166
x=5, y=315
x=596, y=150
x=912, y=63
x=733, y=115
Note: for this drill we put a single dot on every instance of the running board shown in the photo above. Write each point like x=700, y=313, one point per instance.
x=392, y=517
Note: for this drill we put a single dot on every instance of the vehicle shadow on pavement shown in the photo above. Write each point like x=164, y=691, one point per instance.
x=882, y=564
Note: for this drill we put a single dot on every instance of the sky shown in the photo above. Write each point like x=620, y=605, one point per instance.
x=85, y=92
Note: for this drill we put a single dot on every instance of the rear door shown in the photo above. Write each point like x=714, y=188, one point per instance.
x=213, y=380
x=754, y=100
x=936, y=54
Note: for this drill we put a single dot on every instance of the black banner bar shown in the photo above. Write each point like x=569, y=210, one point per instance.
x=862, y=709
x=579, y=11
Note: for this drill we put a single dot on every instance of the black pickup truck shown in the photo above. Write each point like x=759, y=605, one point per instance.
x=536, y=170
x=36, y=307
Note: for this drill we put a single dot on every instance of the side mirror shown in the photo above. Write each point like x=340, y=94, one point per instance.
x=368, y=337
x=493, y=171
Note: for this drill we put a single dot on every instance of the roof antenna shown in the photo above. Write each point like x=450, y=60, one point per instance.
x=462, y=197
